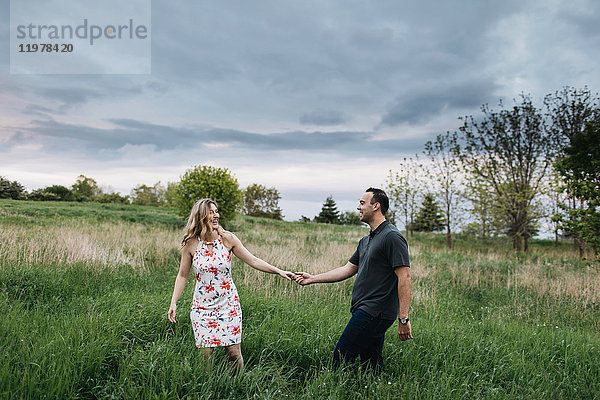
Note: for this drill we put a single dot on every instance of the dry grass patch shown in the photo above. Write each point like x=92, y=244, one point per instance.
x=100, y=245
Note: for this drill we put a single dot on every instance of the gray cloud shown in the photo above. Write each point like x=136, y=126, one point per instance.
x=271, y=54
x=64, y=137
x=37, y=110
x=423, y=104
x=324, y=118
x=584, y=19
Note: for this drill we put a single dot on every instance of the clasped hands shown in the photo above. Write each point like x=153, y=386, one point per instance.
x=301, y=278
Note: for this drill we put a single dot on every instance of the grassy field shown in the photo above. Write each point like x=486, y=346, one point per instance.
x=84, y=290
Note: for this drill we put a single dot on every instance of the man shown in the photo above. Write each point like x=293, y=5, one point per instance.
x=382, y=287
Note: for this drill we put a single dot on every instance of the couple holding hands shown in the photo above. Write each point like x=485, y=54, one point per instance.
x=381, y=290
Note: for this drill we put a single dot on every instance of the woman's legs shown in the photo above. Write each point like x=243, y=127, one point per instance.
x=207, y=355
x=234, y=353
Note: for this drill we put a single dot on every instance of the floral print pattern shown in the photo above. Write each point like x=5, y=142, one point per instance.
x=216, y=312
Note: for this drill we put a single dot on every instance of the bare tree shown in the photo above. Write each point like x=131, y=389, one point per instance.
x=445, y=172
x=404, y=188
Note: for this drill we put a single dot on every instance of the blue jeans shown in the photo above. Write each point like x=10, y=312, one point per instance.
x=363, y=337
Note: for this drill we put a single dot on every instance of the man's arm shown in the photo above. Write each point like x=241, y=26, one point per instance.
x=335, y=275
x=403, y=274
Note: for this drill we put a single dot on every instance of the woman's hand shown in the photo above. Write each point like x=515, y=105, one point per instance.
x=171, y=313
x=289, y=275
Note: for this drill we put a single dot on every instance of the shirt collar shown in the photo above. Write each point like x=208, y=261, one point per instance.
x=379, y=228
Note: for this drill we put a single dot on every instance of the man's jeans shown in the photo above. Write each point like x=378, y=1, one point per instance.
x=363, y=337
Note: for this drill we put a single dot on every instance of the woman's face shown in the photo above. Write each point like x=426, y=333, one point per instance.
x=214, y=216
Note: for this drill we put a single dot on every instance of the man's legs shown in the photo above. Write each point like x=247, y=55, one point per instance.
x=363, y=336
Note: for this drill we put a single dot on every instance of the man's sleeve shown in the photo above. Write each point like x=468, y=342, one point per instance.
x=355, y=257
x=397, y=250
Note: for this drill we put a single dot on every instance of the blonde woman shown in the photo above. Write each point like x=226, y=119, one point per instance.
x=216, y=314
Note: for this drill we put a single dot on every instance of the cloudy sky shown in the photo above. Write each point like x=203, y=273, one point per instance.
x=311, y=97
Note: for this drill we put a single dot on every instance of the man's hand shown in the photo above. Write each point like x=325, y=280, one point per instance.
x=404, y=332
x=304, y=278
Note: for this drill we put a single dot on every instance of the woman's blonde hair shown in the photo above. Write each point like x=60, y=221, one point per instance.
x=198, y=224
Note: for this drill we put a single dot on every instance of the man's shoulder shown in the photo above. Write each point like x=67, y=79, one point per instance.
x=393, y=233
x=391, y=228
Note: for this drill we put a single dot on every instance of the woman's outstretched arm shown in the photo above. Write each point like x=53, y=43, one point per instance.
x=243, y=254
x=182, y=277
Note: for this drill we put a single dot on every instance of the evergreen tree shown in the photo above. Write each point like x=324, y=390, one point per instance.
x=429, y=217
x=11, y=190
x=329, y=213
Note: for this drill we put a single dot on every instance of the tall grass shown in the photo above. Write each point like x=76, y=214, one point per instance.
x=84, y=291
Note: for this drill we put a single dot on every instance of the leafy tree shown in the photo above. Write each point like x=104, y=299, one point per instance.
x=329, y=213
x=445, y=171
x=42, y=195
x=86, y=188
x=260, y=201
x=171, y=194
x=145, y=195
x=484, y=207
x=429, y=217
x=572, y=114
x=580, y=168
x=62, y=192
x=203, y=181
x=555, y=204
x=11, y=190
x=350, y=218
x=54, y=192
x=404, y=188
x=511, y=151
x=112, y=198
x=304, y=218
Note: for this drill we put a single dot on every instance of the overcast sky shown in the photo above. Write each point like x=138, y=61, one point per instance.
x=311, y=97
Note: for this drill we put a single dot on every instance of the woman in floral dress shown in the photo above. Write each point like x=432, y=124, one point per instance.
x=216, y=314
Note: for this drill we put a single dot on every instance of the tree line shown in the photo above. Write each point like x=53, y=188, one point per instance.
x=501, y=173
x=197, y=182
x=504, y=171
x=330, y=214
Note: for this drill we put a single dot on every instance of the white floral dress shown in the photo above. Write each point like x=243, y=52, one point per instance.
x=216, y=312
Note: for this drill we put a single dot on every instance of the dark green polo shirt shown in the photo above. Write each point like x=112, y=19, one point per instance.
x=376, y=285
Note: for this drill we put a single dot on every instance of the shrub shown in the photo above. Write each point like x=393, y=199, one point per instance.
x=203, y=181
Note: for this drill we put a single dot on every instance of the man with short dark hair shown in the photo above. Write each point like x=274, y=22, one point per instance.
x=382, y=287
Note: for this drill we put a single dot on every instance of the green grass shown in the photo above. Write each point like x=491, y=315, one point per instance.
x=72, y=331
x=51, y=212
